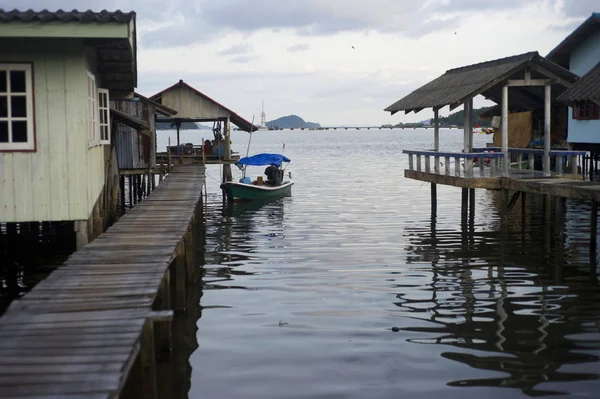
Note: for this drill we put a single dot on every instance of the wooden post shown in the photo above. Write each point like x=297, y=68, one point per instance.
x=178, y=280
x=559, y=237
x=436, y=130
x=468, y=136
x=505, y=161
x=227, y=176
x=179, y=149
x=464, y=204
x=433, y=200
x=122, y=193
x=130, y=179
x=471, y=210
x=148, y=361
x=504, y=205
x=169, y=156
x=594, y=227
x=162, y=330
x=547, y=138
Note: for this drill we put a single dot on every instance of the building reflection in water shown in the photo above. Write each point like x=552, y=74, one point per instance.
x=509, y=298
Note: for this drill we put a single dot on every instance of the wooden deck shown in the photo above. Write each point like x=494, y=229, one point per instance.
x=519, y=180
x=80, y=331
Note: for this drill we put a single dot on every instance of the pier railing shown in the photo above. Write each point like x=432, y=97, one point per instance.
x=462, y=164
x=563, y=161
x=487, y=162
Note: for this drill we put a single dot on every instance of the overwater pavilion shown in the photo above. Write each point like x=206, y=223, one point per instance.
x=194, y=106
x=535, y=82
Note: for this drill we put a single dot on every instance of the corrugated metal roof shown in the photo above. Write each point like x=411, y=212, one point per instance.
x=586, y=89
x=66, y=16
x=561, y=53
x=459, y=84
x=237, y=120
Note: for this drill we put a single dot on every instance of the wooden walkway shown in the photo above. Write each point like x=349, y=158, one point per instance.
x=79, y=332
x=560, y=186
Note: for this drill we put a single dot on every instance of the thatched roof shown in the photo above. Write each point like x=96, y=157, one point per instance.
x=586, y=89
x=459, y=84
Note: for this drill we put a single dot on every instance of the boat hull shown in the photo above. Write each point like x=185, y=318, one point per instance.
x=247, y=192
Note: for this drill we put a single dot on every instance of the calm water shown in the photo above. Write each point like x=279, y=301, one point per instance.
x=349, y=288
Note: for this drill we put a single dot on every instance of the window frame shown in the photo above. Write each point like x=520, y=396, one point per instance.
x=586, y=111
x=93, y=130
x=30, y=144
x=106, y=109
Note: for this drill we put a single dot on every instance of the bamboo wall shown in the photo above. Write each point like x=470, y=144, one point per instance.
x=519, y=130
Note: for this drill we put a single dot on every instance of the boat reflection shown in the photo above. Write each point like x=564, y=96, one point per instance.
x=506, y=302
x=238, y=232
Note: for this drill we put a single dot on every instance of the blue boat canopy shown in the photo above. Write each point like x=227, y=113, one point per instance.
x=263, y=159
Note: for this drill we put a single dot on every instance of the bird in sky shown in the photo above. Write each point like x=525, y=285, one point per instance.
x=352, y=47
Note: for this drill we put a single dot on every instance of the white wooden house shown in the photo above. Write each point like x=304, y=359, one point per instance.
x=58, y=72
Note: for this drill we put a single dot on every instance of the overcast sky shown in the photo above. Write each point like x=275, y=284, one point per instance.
x=297, y=55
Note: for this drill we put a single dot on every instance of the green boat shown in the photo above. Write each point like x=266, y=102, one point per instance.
x=247, y=190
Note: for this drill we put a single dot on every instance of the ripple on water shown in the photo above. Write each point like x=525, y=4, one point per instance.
x=350, y=289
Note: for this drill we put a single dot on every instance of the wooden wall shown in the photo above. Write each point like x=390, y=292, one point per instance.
x=63, y=178
x=190, y=105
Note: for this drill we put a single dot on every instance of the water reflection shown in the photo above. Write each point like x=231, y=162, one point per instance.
x=238, y=232
x=495, y=297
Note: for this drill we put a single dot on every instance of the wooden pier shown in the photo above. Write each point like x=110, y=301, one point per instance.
x=102, y=316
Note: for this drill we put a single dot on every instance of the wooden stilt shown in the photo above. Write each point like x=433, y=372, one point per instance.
x=434, y=201
x=130, y=181
x=471, y=212
x=122, y=192
x=464, y=205
x=504, y=205
x=559, y=237
x=594, y=230
x=178, y=282
x=162, y=330
x=148, y=361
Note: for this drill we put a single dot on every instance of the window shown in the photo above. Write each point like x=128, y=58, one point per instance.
x=92, y=110
x=586, y=110
x=104, y=116
x=16, y=108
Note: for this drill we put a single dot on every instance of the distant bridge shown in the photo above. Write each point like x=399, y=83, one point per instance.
x=366, y=128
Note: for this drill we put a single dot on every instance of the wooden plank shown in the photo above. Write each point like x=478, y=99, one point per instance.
x=60, y=388
x=45, y=331
x=65, y=396
x=136, y=317
x=95, y=351
x=52, y=359
x=53, y=340
x=74, y=368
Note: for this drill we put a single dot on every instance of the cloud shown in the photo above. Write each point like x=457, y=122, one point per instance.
x=579, y=8
x=244, y=59
x=241, y=48
x=298, y=47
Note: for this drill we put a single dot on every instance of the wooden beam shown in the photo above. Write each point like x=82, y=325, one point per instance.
x=532, y=82
x=556, y=79
x=455, y=105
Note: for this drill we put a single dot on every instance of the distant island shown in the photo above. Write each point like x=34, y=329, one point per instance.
x=291, y=122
